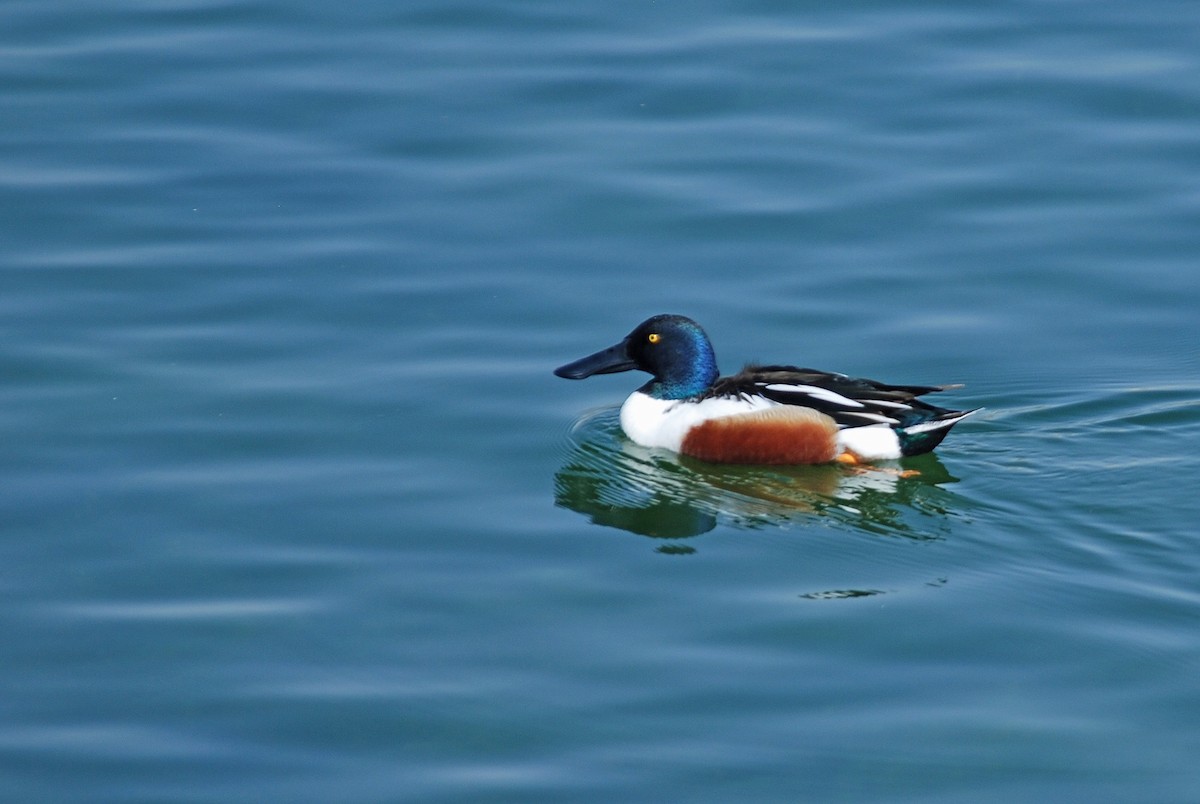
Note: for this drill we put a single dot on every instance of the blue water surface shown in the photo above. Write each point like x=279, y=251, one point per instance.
x=294, y=509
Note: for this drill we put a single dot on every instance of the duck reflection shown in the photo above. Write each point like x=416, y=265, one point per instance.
x=619, y=484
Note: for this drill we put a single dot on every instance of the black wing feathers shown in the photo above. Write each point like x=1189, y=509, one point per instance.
x=851, y=401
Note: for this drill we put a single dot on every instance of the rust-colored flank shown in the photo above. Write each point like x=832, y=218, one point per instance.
x=781, y=435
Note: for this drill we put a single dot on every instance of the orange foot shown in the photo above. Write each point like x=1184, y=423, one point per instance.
x=850, y=459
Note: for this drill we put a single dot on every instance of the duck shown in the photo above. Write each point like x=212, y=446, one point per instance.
x=764, y=414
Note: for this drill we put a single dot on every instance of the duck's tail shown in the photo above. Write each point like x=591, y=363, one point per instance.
x=919, y=438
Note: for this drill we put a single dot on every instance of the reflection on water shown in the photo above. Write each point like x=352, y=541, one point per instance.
x=665, y=496
x=842, y=594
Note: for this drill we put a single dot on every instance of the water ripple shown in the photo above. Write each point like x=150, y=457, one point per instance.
x=185, y=610
x=655, y=493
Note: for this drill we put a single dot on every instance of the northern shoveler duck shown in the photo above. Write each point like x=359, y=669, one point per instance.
x=763, y=414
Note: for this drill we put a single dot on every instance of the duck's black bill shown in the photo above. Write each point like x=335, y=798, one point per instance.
x=607, y=361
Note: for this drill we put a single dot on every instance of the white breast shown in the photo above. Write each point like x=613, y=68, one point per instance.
x=665, y=422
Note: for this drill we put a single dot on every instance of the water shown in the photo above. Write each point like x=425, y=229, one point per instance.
x=294, y=509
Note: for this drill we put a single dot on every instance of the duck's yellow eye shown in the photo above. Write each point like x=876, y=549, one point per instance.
x=654, y=337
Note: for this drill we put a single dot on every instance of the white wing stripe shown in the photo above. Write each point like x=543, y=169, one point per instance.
x=885, y=403
x=873, y=417
x=817, y=393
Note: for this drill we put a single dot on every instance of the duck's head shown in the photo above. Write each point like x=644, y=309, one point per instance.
x=672, y=348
